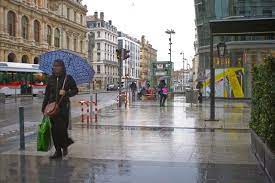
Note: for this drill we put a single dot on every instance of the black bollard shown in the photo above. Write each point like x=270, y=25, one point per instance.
x=21, y=128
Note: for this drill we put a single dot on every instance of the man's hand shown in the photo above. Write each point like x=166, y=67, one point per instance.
x=62, y=92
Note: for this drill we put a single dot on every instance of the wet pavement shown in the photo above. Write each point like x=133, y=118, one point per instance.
x=145, y=143
x=32, y=106
x=178, y=114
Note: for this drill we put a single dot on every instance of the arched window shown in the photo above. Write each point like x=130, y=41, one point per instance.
x=24, y=25
x=11, y=19
x=36, y=60
x=57, y=38
x=49, y=35
x=36, y=31
x=11, y=57
x=25, y=59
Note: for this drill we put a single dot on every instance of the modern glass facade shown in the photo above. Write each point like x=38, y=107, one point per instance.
x=243, y=51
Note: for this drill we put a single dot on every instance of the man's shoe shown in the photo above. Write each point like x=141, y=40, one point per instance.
x=56, y=155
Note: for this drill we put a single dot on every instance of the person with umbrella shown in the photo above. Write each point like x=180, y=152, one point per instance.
x=60, y=87
x=67, y=70
x=163, y=92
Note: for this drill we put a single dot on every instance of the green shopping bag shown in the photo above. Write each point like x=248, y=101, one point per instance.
x=44, y=138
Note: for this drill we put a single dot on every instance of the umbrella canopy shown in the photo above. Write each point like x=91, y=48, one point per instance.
x=75, y=65
x=164, y=78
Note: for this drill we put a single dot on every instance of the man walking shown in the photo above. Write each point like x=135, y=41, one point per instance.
x=133, y=88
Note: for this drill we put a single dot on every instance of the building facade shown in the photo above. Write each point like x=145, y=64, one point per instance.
x=31, y=27
x=148, y=55
x=242, y=51
x=131, y=66
x=104, y=60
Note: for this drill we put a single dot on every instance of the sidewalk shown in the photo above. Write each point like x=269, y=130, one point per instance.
x=145, y=143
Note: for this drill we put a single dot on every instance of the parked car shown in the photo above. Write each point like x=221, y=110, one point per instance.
x=112, y=87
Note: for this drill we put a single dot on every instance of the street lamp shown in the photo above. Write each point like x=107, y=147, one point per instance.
x=183, y=59
x=170, y=32
x=221, y=47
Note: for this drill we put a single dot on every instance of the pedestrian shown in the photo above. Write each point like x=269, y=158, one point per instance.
x=163, y=92
x=133, y=88
x=59, y=89
x=199, y=87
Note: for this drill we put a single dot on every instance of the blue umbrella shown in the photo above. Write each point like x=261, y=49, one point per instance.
x=75, y=65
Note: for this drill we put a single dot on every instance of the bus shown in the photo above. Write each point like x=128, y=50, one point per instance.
x=21, y=79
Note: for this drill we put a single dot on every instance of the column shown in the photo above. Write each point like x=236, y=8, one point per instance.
x=18, y=26
x=5, y=21
x=64, y=41
x=53, y=30
x=2, y=55
x=30, y=31
x=2, y=20
x=46, y=4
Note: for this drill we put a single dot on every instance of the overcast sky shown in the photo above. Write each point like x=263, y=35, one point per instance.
x=151, y=18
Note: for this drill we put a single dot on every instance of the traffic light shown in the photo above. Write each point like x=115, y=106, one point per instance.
x=126, y=54
x=118, y=54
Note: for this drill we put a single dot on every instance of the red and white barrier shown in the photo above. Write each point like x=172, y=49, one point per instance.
x=86, y=103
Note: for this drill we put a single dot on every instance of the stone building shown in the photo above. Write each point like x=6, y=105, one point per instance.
x=104, y=60
x=131, y=66
x=30, y=27
x=148, y=55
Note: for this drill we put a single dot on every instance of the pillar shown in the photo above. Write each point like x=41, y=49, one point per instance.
x=5, y=21
x=53, y=30
x=1, y=20
x=18, y=26
x=2, y=55
x=30, y=31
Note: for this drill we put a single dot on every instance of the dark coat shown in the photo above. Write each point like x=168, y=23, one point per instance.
x=60, y=122
x=52, y=92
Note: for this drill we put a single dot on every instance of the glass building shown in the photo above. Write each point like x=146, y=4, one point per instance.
x=242, y=51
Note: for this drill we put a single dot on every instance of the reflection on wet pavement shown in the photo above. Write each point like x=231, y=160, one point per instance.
x=145, y=143
x=37, y=169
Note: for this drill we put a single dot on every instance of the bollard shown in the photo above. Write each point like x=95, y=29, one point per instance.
x=88, y=112
x=21, y=128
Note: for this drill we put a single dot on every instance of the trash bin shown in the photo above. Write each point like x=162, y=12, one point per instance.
x=2, y=98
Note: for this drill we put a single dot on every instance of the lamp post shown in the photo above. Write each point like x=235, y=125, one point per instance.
x=221, y=47
x=170, y=32
x=183, y=59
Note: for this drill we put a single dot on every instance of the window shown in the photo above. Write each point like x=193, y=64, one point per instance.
x=75, y=44
x=57, y=38
x=11, y=23
x=68, y=42
x=24, y=25
x=98, y=34
x=36, y=60
x=81, y=19
x=98, y=46
x=98, y=57
x=49, y=35
x=267, y=13
x=11, y=57
x=36, y=31
x=98, y=69
x=25, y=59
x=68, y=13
